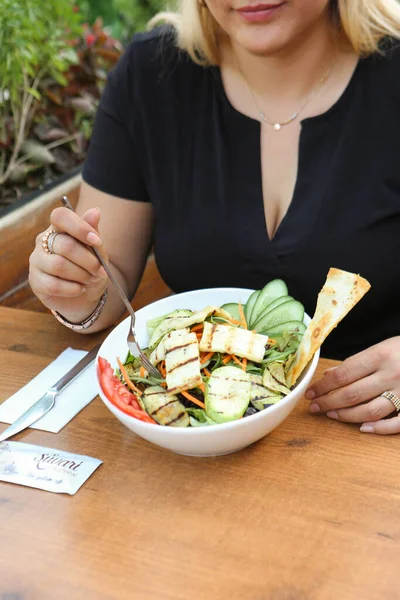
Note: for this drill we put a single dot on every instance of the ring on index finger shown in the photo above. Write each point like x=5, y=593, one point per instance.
x=48, y=241
x=395, y=400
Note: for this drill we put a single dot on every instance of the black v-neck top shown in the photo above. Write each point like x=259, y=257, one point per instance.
x=166, y=132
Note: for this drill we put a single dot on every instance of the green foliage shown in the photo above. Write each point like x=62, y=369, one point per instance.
x=49, y=91
x=135, y=14
x=92, y=9
x=34, y=42
x=122, y=17
x=53, y=67
x=34, y=38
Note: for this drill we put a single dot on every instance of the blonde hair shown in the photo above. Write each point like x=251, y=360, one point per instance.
x=366, y=23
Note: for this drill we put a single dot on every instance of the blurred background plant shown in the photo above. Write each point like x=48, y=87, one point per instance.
x=122, y=18
x=54, y=60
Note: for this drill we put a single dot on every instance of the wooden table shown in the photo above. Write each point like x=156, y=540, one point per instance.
x=311, y=512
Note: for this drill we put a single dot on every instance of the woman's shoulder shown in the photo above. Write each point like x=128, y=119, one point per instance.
x=386, y=64
x=153, y=58
x=151, y=72
x=157, y=44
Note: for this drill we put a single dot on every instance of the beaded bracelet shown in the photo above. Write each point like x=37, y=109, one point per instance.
x=88, y=322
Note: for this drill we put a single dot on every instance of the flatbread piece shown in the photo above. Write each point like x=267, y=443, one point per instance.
x=340, y=293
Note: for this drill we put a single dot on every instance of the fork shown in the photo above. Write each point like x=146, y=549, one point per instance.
x=131, y=340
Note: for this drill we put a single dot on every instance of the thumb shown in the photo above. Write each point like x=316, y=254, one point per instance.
x=92, y=216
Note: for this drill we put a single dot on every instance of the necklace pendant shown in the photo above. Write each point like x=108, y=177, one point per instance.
x=277, y=126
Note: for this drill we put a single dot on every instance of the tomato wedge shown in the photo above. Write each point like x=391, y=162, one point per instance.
x=117, y=394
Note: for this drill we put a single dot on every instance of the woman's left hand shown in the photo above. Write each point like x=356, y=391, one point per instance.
x=351, y=392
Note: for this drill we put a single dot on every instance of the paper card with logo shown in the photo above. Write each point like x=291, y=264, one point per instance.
x=45, y=468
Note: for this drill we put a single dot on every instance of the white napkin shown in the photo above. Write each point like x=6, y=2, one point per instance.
x=69, y=401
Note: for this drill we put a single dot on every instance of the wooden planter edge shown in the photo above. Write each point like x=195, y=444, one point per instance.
x=18, y=231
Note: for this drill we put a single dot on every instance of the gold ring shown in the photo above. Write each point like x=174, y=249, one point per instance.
x=395, y=400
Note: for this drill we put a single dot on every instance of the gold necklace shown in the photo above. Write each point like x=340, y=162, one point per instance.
x=277, y=125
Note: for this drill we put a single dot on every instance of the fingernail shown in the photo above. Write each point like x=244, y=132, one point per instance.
x=101, y=273
x=310, y=395
x=93, y=238
x=314, y=408
x=332, y=414
x=367, y=429
x=330, y=369
x=94, y=279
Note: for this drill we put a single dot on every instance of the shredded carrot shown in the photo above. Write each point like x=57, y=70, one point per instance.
x=206, y=357
x=163, y=384
x=142, y=372
x=198, y=327
x=244, y=364
x=235, y=358
x=202, y=387
x=227, y=358
x=223, y=314
x=233, y=321
x=242, y=317
x=161, y=368
x=125, y=376
x=207, y=372
x=193, y=399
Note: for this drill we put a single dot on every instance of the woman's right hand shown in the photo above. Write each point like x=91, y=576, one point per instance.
x=71, y=280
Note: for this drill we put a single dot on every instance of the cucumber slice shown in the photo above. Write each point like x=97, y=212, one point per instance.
x=248, y=308
x=288, y=311
x=274, y=289
x=232, y=309
x=272, y=305
x=287, y=326
x=227, y=394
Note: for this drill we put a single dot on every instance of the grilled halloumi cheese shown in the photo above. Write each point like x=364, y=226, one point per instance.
x=182, y=361
x=233, y=340
x=158, y=353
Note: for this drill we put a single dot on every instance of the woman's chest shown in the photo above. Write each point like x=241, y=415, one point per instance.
x=279, y=149
x=210, y=195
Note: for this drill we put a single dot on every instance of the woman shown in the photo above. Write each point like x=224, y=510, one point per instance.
x=265, y=146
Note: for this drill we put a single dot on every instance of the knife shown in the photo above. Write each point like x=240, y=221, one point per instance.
x=48, y=400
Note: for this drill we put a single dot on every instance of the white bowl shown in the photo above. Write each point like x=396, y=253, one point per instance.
x=212, y=440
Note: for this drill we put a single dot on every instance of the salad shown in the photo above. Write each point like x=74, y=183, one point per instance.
x=220, y=364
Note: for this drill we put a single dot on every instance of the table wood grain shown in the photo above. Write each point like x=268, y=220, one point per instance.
x=311, y=512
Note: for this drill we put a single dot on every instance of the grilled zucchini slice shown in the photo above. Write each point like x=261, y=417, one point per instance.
x=227, y=394
x=164, y=409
